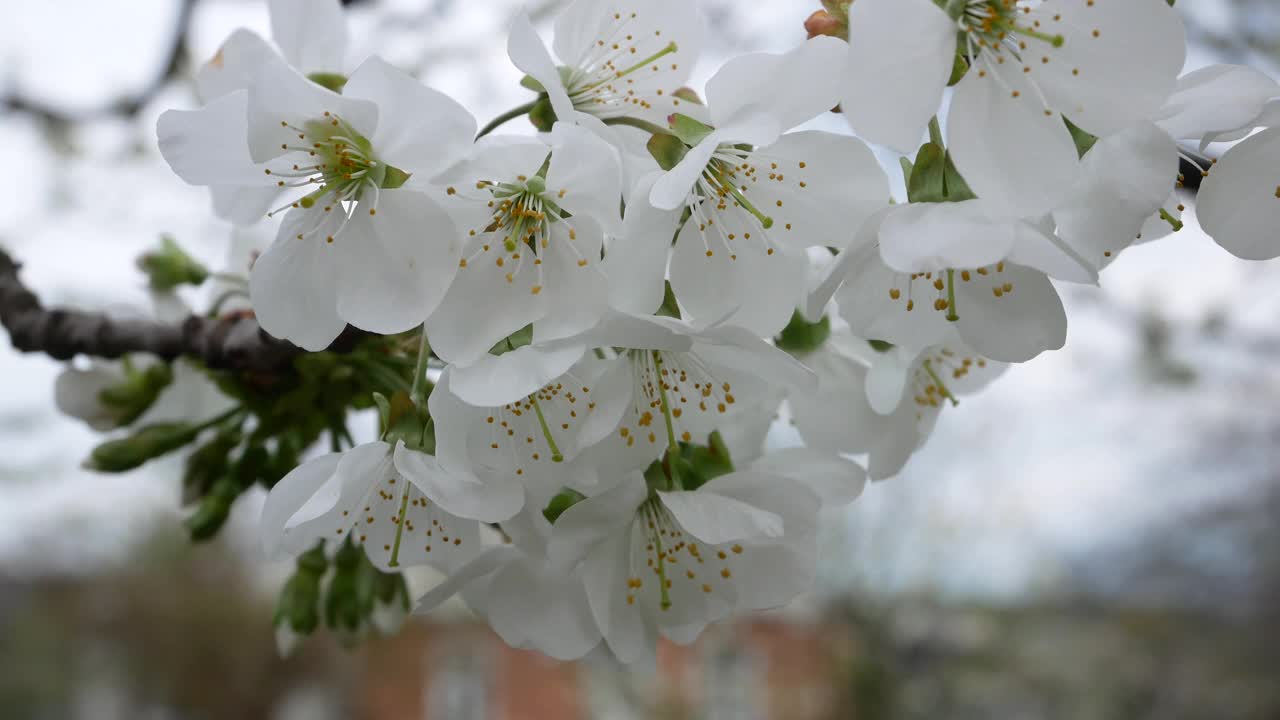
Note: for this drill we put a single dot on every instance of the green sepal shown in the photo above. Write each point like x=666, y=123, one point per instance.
x=514, y=341
x=529, y=82
x=705, y=463
x=880, y=346
x=170, y=266
x=927, y=182
x=147, y=443
x=667, y=150
x=408, y=423
x=688, y=94
x=670, y=307
x=690, y=131
x=955, y=186
x=393, y=177
x=959, y=68
x=801, y=337
x=1084, y=141
x=543, y=115
x=330, y=81
x=384, y=411
x=563, y=500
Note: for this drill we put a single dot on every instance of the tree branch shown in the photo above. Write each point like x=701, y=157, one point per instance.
x=233, y=342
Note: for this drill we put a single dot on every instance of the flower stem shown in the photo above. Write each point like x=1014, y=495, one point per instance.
x=505, y=118
x=649, y=127
x=420, y=369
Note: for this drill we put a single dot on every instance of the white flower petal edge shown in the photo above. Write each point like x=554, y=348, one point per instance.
x=1239, y=203
x=900, y=58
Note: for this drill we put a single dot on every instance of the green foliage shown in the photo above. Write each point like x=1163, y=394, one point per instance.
x=170, y=266
x=934, y=177
x=564, y=500
x=133, y=397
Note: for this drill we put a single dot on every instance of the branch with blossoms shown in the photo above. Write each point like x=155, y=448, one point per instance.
x=577, y=342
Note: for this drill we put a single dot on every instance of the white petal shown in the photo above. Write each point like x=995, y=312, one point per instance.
x=288, y=497
x=900, y=58
x=548, y=610
x=483, y=564
x=887, y=379
x=1125, y=178
x=640, y=29
x=313, y=35
x=397, y=264
x=1216, y=99
x=821, y=188
x=583, y=526
x=1093, y=78
x=496, y=380
x=280, y=95
x=867, y=302
x=630, y=635
x=420, y=130
x=1239, y=203
x=243, y=205
x=233, y=66
x=576, y=289
x=584, y=176
x=1036, y=246
x=636, y=262
x=793, y=87
x=923, y=237
x=835, y=480
x=460, y=495
x=77, y=393
x=739, y=349
x=208, y=147
x=674, y=187
x=481, y=308
x=527, y=52
x=1019, y=325
x=716, y=519
x=1010, y=149
x=739, y=282
x=292, y=287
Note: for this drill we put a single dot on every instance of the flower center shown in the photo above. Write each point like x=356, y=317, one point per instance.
x=523, y=216
x=604, y=86
x=666, y=567
x=539, y=428
x=993, y=25
x=671, y=386
x=941, y=286
x=929, y=381
x=330, y=156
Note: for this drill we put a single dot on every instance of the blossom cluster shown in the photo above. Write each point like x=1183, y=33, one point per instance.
x=613, y=312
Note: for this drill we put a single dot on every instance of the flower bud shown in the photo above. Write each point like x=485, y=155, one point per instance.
x=152, y=441
x=170, y=266
x=214, y=509
x=343, y=609
x=298, y=608
x=822, y=22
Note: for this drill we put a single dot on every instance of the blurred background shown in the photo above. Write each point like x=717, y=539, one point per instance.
x=1096, y=536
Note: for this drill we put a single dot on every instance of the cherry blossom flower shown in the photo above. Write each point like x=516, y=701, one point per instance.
x=353, y=246
x=531, y=219
x=1031, y=63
